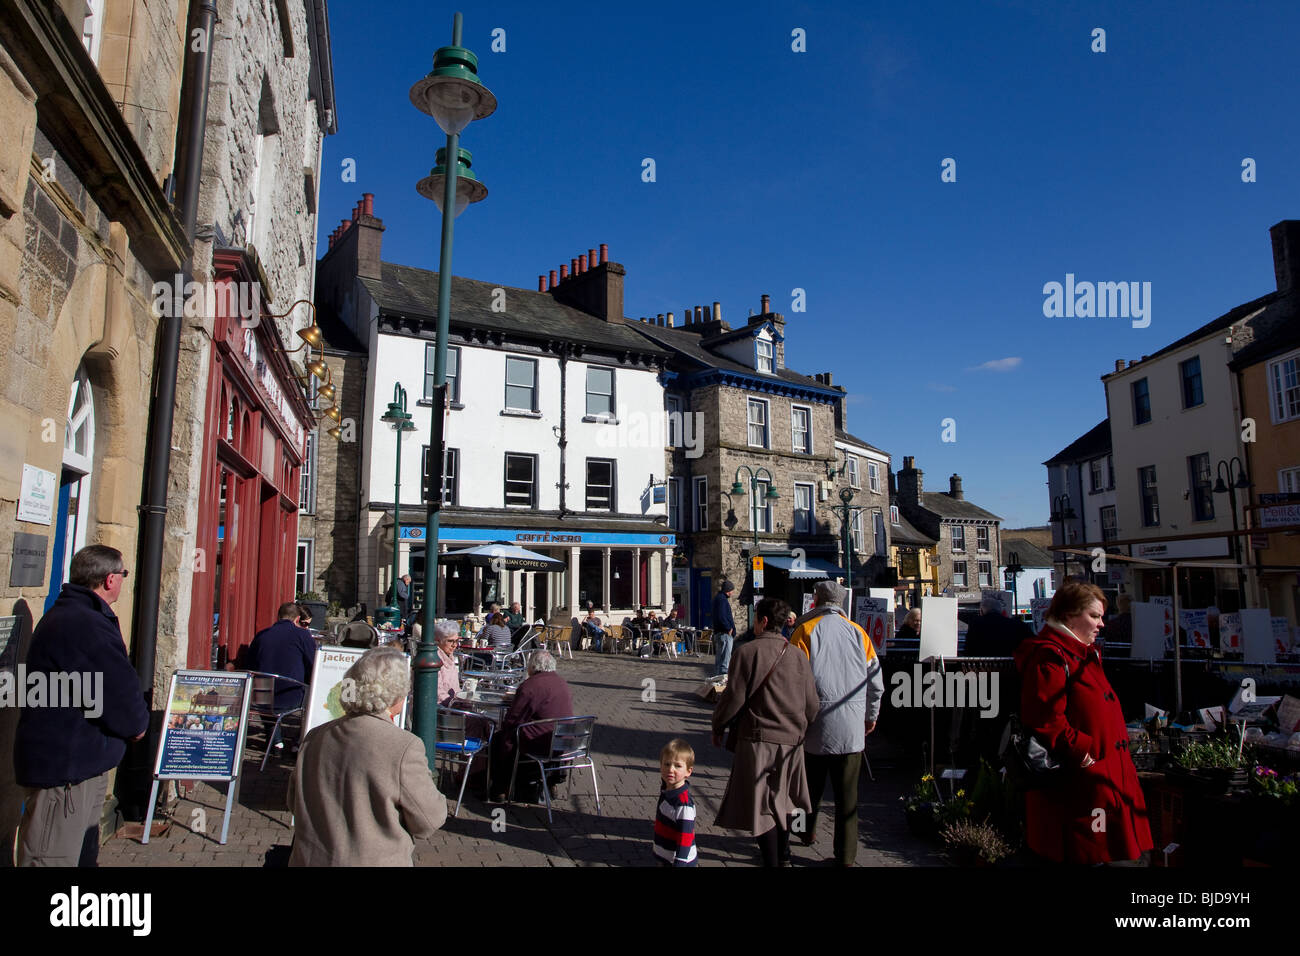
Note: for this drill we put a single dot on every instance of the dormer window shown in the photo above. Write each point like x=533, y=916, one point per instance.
x=763, y=355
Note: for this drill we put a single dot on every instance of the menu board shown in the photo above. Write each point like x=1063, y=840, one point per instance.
x=206, y=720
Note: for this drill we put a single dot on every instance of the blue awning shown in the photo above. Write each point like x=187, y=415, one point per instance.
x=810, y=569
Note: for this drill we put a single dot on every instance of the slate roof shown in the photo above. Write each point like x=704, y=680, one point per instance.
x=688, y=345
x=1281, y=333
x=1269, y=303
x=1093, y=444
x=844, y=436
x=904, y=532
x=411, y=292
x=1031, y=556
x=946, y=507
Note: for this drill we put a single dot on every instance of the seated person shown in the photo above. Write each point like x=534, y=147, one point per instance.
x=545, y=694
x=515, y=619
x=446, y=634
x=591, y=625
x=911, y=629
x=288, y=650
x=497, y=634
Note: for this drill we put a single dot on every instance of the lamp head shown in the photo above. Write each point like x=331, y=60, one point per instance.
x=452, y=93
x=846, y=495
x=468, y=188
x=737, y=488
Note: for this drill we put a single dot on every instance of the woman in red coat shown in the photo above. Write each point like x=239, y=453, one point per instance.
x=1096, y=814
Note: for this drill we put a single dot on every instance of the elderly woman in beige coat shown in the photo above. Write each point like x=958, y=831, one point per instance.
x=362, y=793
x=771, y=698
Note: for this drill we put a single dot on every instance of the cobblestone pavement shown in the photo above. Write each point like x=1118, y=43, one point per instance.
x=633, y=724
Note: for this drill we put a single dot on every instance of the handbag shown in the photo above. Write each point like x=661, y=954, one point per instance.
x=1030, y=765
x=733, y=724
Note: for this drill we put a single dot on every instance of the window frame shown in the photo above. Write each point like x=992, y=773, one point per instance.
x=1191, y=386
x=673, y=437
x=307, y=475
x=808, y=431
x=758, y=356
x=963, y=574
x=307, y=575
x=612, y=505
x=612, y=414
x=450, y=466
x=984, y=573
x=1279, y=401
x=1202, y=498
x=857, y=534
x=894, y=517
x=953, y=531
x=851, y=470
x=757, y=492
x=1138, y=407
x=1153, y=511
x=700, y=516
x=532, y=503
x=1289, y=476
x=523, y=359
x=1094, y=476
x=675, y=504
x=453, y=378
x=873, y=476
x=982, y=531
x=750, y=404
x=808, y=521
x=1110, y=533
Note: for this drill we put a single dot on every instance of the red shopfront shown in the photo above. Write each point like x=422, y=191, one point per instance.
x=255, y=426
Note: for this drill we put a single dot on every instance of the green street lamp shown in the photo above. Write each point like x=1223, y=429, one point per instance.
x=454, y=96
x=400, y=419
x=772, y=495
x=1015, y=569
x=847, y=510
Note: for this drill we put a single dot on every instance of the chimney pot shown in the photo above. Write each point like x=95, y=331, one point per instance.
x=591, y=258
x=573, y=266
x=767, y=304
x=659, y=319
x=909, y=461
x=541, y=283
x=554, y=278
x=1119, y=365
x=343, y=225
x=699, y=313
x=604, y=253
x=582, y=263
x=954, y=488
x=356, y=212
x=717, y=312
x=564, y=273
x=826, y=377
x=670, y=320
x=368, y=203
x=688, y=316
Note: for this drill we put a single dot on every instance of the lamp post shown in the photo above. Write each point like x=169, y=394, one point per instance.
x=847, y=512
x=772, y=495
x=1015, y=569
x=1062, y=512
x=1230, y=489
x=400, y=419
x=454, y=96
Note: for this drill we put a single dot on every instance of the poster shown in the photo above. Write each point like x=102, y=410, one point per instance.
x=1230, y=633
x=1005, y=598
x=1257, y=636
x=872, y=614
x=1167, y=628
x=807, y=604
x=938, y=628
x=323, y=697
x=207, y=716
x=1038, y=607
x=1281, y=635
x=1195, y=622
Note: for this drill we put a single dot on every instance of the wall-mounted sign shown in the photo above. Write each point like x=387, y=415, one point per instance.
x=36, y=497
x=27, y=569
x=1192, y=548
x=557, y=536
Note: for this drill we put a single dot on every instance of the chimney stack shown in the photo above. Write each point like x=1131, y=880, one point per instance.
x=670, y=320
x=1119, y=365
x=910, y=482
x=593, y=287
x=954, y=488
x=1286, y=254
x=767, y=304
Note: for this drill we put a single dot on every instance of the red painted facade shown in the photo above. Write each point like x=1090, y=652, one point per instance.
x=255, y=425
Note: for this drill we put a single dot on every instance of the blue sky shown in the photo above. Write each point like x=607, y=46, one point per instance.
x=821, y=170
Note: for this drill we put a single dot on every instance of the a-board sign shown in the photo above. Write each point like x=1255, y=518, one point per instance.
x=872, y=614
x=206, y=722
x=325, y=696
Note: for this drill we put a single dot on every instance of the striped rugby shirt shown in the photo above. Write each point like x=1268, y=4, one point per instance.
x=675, y=827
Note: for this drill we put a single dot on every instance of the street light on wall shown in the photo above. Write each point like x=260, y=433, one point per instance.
x=454, y=96
x=1221, y=488
x=313, y=339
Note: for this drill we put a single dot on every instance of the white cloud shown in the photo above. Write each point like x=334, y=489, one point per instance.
x=999, y=365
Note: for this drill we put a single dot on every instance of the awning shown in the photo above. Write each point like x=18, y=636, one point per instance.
x=810, y=569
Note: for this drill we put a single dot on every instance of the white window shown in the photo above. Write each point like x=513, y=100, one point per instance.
x=1284, y=387
x=600, y=484
x=758, y=436
x=760, y=509
x=986, y=574
x=852, y=462
x=307, y=490
x=521, y=481
x=878, y=522
x=959, y=574
x=959, y=537
x=701, y=503
x=452, y=371
x=673, y=420
x=893, y=515
x=92, y=29
x=801, y=429
x=675, y=504
x=982, y=539
x=521, y=384
x=762, y=355
x=855, y=532
x=873, y=476
x=1094, y=469
x=803, y=508
x=600, y=392
x=1288, y=479
x=304, y=574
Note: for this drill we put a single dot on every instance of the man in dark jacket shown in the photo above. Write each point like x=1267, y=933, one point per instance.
x=993, y=634
x=545, y=694
x=65, y=753
x=724, y=627
x=286, y=649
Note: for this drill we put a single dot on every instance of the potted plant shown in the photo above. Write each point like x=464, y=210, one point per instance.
x=1219, y=764
x=316, y=604
x=975, y=844
x=921, y=807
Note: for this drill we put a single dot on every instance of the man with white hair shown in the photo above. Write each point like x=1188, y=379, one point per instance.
x=544, y=695
x=850, y=685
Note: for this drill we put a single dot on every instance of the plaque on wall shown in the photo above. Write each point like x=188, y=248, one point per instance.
x=28, y=567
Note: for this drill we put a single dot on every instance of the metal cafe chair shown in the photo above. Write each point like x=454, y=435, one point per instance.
x=262, y=704
x=704, y=641
x=456, y=746
x=668, y=640
x=570, y=750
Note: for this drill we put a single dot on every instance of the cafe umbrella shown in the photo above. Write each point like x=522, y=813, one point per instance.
x=502, y=556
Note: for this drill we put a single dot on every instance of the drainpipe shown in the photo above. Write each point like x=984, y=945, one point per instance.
x=564, y=424
x=203, y=16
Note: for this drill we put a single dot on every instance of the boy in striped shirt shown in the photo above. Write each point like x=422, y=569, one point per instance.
x=675, y=814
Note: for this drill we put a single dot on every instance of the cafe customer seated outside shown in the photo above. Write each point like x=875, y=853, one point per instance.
x=544, y=695
x=497, y=634
x=591, y=625
x=446, y=634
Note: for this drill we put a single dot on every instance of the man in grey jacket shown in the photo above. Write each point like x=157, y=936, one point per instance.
x=850, y=686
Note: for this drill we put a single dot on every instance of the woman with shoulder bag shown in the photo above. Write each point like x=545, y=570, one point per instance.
x=769, y=702
x=1095, y=813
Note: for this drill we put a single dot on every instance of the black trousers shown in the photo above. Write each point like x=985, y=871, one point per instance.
x=774, y=846
x=843, y=769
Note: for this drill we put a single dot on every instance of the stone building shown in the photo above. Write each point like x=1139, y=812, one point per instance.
x=915, y=556
x=737, y=414
x=969, y=548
